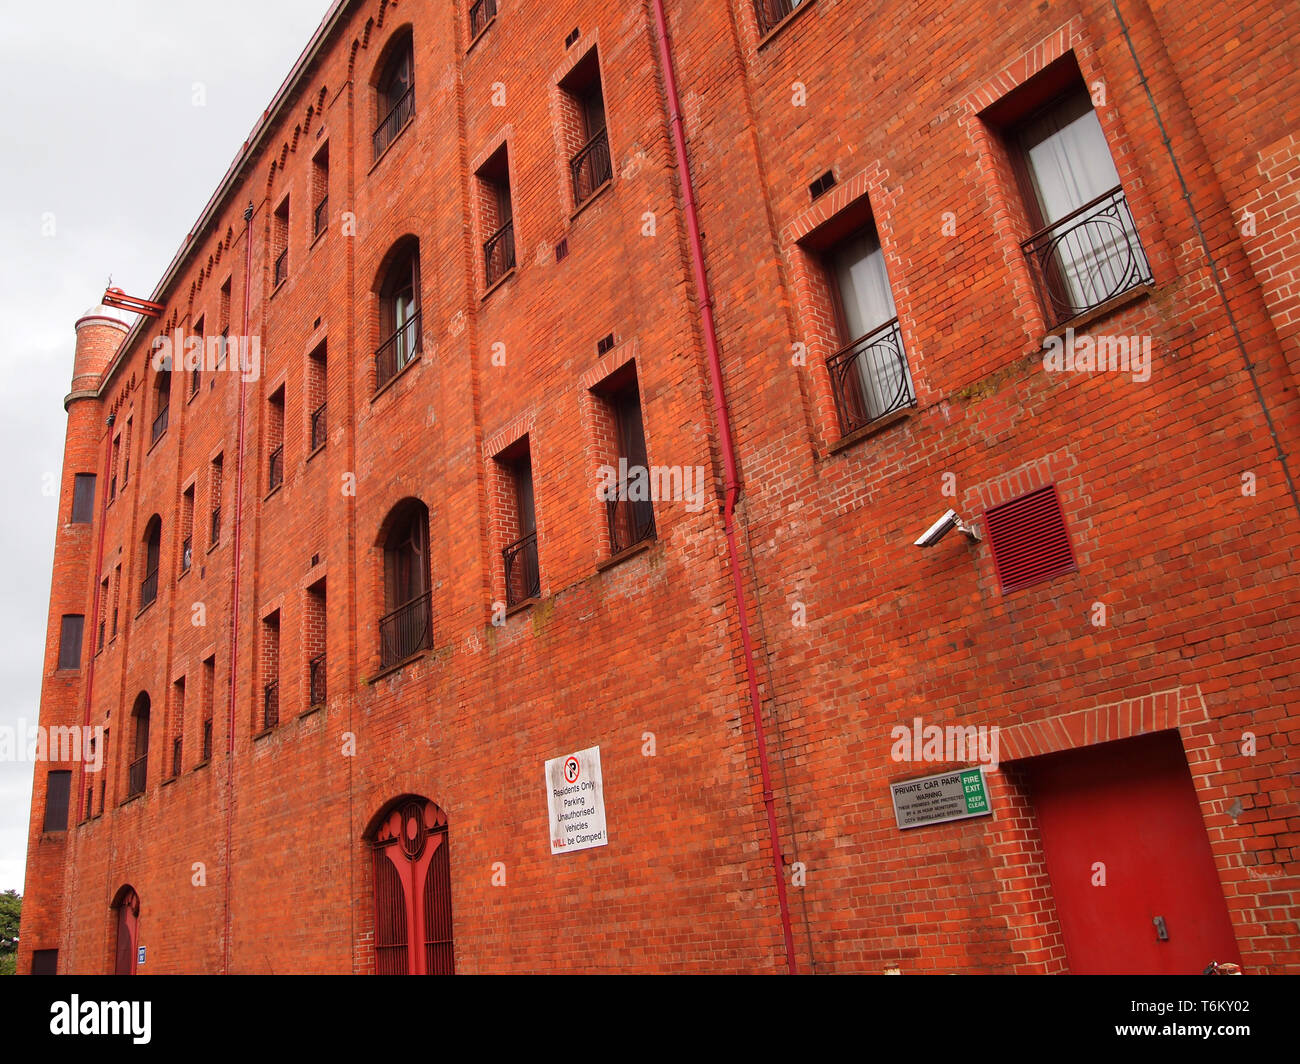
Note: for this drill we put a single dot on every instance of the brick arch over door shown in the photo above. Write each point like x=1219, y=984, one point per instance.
x=126, y=919
x=412, y=889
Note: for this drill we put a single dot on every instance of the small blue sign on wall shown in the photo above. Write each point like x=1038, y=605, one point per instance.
x=139, y=960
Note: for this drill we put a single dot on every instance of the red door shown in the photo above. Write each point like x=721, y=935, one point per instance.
x=128, y=917
x=1126, y=813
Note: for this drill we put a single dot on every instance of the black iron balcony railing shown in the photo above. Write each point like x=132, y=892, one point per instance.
x=176, y=757
x=148, y=588
x=1087, y=258
x=112, y=488
x=499, y=254
x=407, y=630
x=631, y=521
x=271, y=705
x=480, y=14
x=159, y=427
x=207, y=740
x=319, y=427
x=103, y=625
x=196, y=377
x=187, y=553
x=523, y=578
x=320, y=216
x=591, y=168
x=214, y=528
x=316, y=680
x=113, y=635
x=223, y=347
x=772, y=12
x=136, y=776
x=281, y=268
x=397, y=351
x=90, y=802
x=394, y=121
x=870, y=378
x=275, y=471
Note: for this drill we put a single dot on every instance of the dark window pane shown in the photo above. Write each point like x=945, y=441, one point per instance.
x=45, y=962
x=83, y=499
x=58, y=790
x=70, y=642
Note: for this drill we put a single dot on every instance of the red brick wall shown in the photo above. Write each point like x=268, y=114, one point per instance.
x=857, y=629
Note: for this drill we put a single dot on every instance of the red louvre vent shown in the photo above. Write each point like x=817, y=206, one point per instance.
x=1029, y=539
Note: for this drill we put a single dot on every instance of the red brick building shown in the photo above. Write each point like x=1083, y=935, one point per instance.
x=336, y=614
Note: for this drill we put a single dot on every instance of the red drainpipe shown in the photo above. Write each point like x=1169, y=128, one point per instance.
x=705, y=298
x=94, y=632
x=236, y=551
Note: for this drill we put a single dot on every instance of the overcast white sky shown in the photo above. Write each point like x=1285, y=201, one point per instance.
x=99, y=130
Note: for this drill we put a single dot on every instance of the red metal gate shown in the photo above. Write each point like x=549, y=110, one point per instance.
x=413, y=928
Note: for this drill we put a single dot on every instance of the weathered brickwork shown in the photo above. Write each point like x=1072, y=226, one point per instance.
x=1179, y=514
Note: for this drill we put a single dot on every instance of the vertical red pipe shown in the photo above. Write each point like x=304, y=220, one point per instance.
x=705, y=298
x=236, y=551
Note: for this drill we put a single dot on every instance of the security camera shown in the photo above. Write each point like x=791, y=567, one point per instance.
x=943, y=526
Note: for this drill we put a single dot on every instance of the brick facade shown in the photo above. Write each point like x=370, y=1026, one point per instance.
x=1179, y=513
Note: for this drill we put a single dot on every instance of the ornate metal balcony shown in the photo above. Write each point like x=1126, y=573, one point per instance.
x=397, y=351
x=271, y=705
x=523, y=577
x=480, y=14
x=320, y=217
x=319, y=427
x=316, y=678
x=275, y=472
x=394, y=121
x=148, y=588
x=159, y=427
x=631, y=521
x=771, y=13
x=137, y=775
x=499, y=254
x=407, y=630
x=1087, y=258
x=591, y=168
x=870, y=378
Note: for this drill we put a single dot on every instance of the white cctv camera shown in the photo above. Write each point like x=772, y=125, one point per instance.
x=943, y=526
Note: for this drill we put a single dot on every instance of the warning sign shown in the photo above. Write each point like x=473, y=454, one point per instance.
x=575, y=796
x=938, y=799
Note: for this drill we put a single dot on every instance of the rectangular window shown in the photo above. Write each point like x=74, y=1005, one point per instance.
x=70, y=637
x=518, y=520
x=481, y=12
x=224, y=318
x=102, y=619
x=214, y=502
x=320, y=181
x=280, y=243
x=117, y=592
x=629, y=517
x=196, y=370
x=58, y=792
x=187, y=529
x=209, y=702
x=497, y=212
x=45, y=962
x=178, y=725
x=1084, y=250
x=83, y=498
x=317, y=392
x=395, y=98
x=771, y=13
x=114, y=467
x=126, y=452
x=271, y=671
x=275, y=440
x=315, y=645
x=583, y=113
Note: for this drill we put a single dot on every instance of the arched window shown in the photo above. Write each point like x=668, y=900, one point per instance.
x=394, y=93
x=139, y=770
x=162, y=390
x=152, y=554
x=406, y=627
x=126, y=911
x=412, y=868
x=399, y=311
